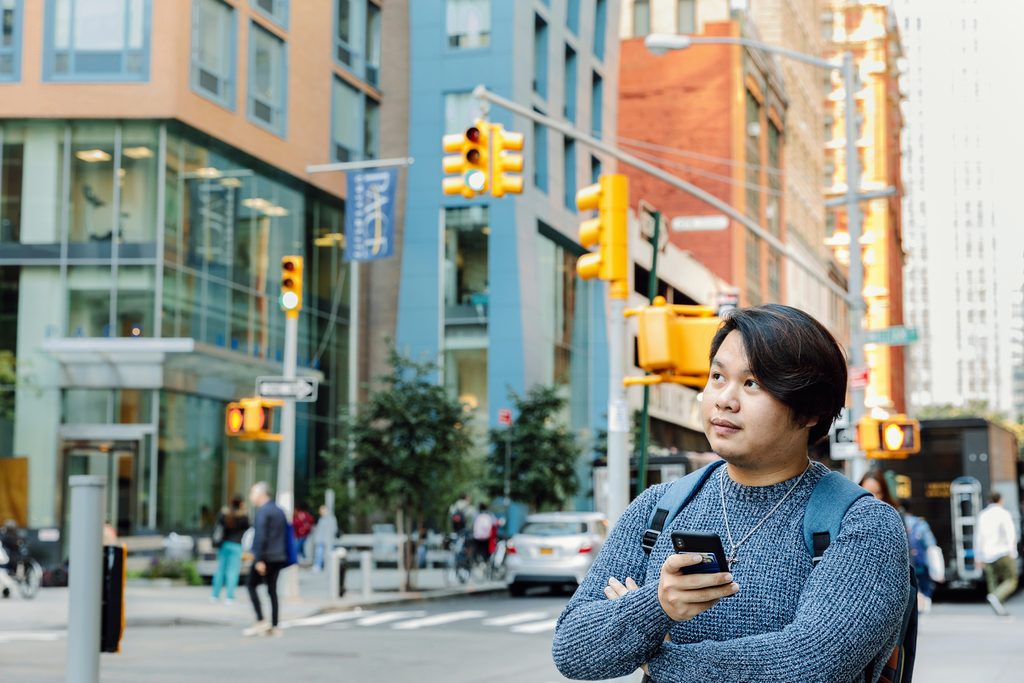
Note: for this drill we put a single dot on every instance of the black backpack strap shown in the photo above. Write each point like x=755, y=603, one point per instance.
x=675, y=499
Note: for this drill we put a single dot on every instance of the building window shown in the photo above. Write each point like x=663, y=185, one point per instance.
x=276, y=10
x=774, y=282
x=569, y=172
x=570, y=84
x=468, y=23
x=343, y=34
x=753, y=270
x=213, y=51
x=97, y=40
x=641, y=17
x=774, y=172
x=371, y=129
x=686, y=19
x=562, y=312
x=753, y=161
x=600, y=27
x=572, y=16
x=595, y=169
x=10, y=40
x=466, y=278
x=373, y=29
x=540, y=56
x=347, y=130
x=540, y=156
x=597, y=104
x=268, y=79
x=12, y=165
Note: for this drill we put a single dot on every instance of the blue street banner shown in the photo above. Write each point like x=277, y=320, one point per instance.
x=370, y=215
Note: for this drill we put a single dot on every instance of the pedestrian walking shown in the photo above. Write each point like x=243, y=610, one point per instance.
x=302, y=525
x=231, y=525
x=270, y=556
x=324, y=536
x=766, y=604
x=925, y=556
x=996, y=552
x=483, y=527
x=460, y=513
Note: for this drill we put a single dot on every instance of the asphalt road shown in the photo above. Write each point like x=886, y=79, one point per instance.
x=465, y=640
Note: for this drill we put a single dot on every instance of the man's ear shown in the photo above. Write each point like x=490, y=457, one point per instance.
x=808, y=422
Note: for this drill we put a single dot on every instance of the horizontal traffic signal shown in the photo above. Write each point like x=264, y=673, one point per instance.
x=893, y=437
x=252, y=419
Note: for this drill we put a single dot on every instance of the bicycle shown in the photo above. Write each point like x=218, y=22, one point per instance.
x=23, y=574
x=462, y=557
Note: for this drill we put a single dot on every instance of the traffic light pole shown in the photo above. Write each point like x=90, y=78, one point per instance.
x=286, y=453
x=618, y=414
x=645, y=422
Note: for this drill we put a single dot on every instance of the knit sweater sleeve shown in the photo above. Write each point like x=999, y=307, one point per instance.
x=598, y=638
x=849, y=613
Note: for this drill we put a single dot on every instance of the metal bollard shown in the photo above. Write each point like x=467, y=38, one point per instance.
x=85, y=578
x=365, y=567
x=336, y=574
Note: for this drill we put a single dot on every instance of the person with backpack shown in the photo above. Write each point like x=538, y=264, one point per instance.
x=817, y=584
x=270, y=550
x=925, y=556
x=231, y=525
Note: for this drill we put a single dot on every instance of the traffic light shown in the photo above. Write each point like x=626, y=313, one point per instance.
x=610, y=198
x=112, y=597
x=252, y=419
x=468, y=161
x=674, y=343
x=291, y=285
x=504, y=161
x=893, y=437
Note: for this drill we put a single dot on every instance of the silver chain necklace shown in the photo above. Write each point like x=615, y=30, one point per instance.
x=734, y=547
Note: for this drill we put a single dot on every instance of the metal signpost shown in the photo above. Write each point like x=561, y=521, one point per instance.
x=304, y=389
x=505, y=420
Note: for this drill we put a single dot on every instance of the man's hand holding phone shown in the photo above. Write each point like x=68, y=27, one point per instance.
x=684, y=596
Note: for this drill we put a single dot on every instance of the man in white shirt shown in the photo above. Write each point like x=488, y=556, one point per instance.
x=996, y=552
x=483, y=527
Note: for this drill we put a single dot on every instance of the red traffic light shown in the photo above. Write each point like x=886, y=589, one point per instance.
x=473, y=134
x=473, y=156
x=288, y=265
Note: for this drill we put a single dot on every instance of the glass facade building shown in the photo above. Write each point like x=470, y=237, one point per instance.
x=139, y=278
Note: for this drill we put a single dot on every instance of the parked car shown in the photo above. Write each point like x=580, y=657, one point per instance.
x=554, y=549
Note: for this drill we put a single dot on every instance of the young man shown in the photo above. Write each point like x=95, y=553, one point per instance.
x=997, y=552
x=777, y=381
x=270, y=555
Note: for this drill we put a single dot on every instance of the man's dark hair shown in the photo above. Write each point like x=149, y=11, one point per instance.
x=795, y=358
x=996, y=497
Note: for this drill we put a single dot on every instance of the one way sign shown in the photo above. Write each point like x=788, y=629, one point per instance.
x=302, y=389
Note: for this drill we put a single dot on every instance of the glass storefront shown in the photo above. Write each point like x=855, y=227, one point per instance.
x=83, y=216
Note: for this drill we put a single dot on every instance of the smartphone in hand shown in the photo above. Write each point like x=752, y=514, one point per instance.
x=708, y=546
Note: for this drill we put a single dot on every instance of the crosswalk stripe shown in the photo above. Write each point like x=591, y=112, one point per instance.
x=518, y=618
x=30, y=636
x=387, y=617
x=536, y=627
x=439, y=619
x=324, y=619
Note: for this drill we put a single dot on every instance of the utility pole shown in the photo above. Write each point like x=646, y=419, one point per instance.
x=645, y=422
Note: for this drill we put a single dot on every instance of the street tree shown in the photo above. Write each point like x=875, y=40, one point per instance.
x=410, y=451
x=544, y=452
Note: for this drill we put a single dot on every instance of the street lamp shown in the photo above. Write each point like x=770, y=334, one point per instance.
x=660, y=43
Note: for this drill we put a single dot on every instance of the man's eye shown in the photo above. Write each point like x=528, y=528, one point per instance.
x=716, y=375
x=752, y=384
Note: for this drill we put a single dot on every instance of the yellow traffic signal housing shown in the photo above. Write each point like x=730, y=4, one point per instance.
x=252, y=419
x=893, y=437
x=610, y=198
x=504, y=161
x=674, y=343
x=469, y=161
x=291, y=285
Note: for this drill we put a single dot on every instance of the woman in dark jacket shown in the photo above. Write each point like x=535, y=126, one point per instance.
x=232, y=523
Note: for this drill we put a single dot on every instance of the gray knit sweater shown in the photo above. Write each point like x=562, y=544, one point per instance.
x=787, y=623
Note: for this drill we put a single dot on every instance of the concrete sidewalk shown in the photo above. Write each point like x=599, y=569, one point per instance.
x=161, y=604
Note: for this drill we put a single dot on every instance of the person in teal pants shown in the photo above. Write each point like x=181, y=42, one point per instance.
x=232, y=523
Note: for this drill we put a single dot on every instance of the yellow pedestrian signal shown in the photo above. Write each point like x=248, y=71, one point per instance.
x=252, y=419
x=468, y=161
x=504, y=161
x=674, y=343
x=893, y=437
x=291, y=285
x=610, y=198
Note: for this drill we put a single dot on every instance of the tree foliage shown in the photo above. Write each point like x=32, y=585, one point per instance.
x=544, y=452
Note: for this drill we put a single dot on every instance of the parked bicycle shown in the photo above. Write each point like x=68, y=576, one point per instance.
x=18, y=571
x=465, y=563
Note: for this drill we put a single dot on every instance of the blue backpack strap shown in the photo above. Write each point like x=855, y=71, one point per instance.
x=832, y=497
x=675, y=499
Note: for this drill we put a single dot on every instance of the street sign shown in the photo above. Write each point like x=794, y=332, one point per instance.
x=695, y=223
x=900, y=335
x=859, y=378
x=303, y=389
x=504, y=417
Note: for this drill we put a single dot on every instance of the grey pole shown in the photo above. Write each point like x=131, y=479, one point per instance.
x=286, y=454
x=85, y=580
x=855, y=296
x=618, y=420
x=508, y=464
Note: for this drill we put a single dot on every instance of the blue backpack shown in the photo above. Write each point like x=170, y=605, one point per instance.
x=832, y=497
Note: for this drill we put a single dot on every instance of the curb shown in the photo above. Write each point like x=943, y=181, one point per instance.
x=408, y=598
